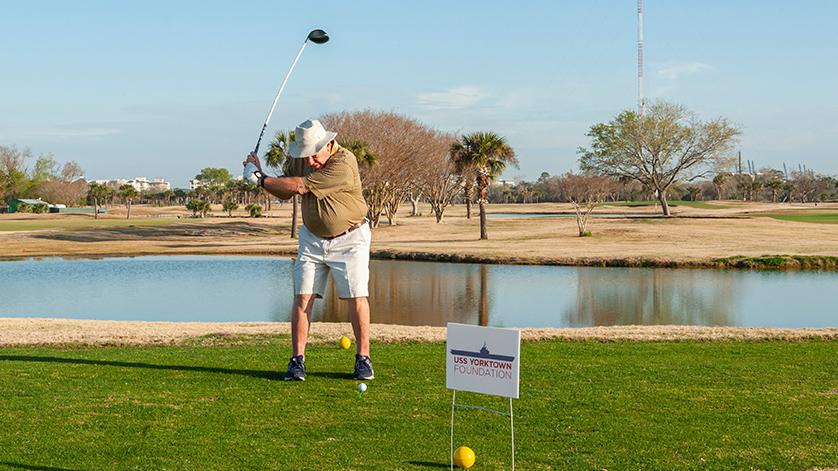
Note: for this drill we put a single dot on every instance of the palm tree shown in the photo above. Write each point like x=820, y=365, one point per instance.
x=464, y=169
x=718, y=183
x=366, y=161
x=230, y=206
x=277, y=157
x=362, y=153
x=97, y=194
x=776, y=185
x=487, y=154
x=128, y=193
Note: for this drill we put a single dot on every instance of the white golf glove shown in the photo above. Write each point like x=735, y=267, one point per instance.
x=252, y=173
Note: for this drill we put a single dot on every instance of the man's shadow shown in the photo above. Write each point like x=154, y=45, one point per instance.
x=329, y=374
x=32, y=467
x=269, y=375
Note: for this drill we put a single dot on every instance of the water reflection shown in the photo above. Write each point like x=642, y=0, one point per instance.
x=419, y=293
x=652, y=297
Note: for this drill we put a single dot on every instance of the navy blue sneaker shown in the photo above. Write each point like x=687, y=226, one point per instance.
x=363, y=368
x=296, y=369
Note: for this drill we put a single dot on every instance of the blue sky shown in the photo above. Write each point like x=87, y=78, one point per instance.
x=158, y=88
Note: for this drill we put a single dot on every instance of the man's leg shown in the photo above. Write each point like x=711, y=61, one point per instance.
x=301, y=320
x=359, y=312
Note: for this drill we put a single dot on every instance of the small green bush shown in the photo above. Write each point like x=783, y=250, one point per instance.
x=586, y=234
x=230, y=206
x=198, y=207
x=254, y=209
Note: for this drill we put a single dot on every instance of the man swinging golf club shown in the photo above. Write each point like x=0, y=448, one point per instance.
x=335, y=236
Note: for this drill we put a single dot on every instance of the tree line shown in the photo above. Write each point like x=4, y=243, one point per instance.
x=767, y=185
x=668, y=153
x=23, y=175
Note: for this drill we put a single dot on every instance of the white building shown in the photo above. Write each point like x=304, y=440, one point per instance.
x=504, y=183
x=141, y=184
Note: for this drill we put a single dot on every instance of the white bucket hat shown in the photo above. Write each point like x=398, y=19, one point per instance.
x=309, y=139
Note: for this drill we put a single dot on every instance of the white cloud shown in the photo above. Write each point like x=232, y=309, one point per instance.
x=676, y=70
x=452, y=99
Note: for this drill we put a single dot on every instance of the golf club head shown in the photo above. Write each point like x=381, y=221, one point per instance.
x=318, y=36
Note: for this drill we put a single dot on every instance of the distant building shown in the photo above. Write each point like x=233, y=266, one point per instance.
x=194, y=184
x=14, y=204
x=504, y=183
x=141, y=184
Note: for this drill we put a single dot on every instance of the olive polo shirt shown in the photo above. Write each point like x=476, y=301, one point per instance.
x=333, y=202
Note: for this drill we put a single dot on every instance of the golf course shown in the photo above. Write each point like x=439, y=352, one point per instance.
x=135, y=395
x=404, y=236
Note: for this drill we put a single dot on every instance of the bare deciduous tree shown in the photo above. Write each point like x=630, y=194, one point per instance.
x=438, y=180
x=70, y=193
x=400, y=145
x=585, y=192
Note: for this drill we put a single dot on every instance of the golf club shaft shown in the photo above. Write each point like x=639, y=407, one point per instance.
x=276, y=99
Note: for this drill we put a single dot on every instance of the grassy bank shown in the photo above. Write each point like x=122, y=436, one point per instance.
x=584, y=405
x=765, y=262
x=825, y=218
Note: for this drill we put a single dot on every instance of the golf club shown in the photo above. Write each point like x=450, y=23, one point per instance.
x=317, y=36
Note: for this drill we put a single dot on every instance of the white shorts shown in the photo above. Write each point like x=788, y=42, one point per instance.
x=347, y=257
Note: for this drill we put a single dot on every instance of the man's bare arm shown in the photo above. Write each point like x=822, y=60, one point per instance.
x=285, y=187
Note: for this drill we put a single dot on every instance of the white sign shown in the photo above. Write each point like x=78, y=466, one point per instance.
x=483, y=359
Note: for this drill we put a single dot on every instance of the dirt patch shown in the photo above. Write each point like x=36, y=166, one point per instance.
x=36, y=331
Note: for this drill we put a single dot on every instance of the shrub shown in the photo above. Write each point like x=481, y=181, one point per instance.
x=197, y=207
x=230, y=206
x=254, y=209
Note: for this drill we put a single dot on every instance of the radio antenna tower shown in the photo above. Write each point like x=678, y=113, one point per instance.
x=640, y=103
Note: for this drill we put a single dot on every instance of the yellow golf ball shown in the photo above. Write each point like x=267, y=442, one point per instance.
x=464, y=457
x=345, y=343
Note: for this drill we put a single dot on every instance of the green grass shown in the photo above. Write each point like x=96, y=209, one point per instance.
x=80, y=223
x=794, y=262
x=818, y=218
x=583, y=405
x=673, y=203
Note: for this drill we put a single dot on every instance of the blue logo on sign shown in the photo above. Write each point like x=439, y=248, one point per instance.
x=483, y=353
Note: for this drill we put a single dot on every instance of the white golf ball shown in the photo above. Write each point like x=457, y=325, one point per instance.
x=362, y=387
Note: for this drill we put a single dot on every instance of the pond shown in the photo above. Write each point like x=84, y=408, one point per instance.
x=233, y=289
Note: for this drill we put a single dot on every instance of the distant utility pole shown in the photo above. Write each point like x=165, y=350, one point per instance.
x=640, y=103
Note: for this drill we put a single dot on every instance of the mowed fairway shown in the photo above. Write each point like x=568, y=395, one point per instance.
x=220, y=404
